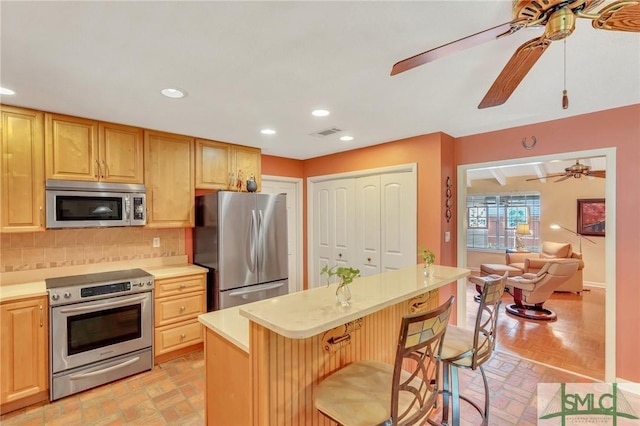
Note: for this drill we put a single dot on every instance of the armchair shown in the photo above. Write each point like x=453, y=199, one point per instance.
x=530, y=291
x=533, y=263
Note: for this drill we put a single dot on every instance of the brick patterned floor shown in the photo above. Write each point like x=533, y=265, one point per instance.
x=173, y=394
x=170, y=394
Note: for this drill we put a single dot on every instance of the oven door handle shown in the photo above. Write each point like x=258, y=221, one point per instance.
x=104, y=370
x=257, y=289
x=102, y=305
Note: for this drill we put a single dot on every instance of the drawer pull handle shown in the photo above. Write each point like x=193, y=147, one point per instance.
x=182, y=285
x=183, y=336
x=182, y=308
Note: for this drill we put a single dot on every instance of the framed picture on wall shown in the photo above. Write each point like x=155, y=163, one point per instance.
x=516, y=215
x=591, y=217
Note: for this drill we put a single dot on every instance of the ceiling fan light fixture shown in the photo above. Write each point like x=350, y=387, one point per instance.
x=561, y=24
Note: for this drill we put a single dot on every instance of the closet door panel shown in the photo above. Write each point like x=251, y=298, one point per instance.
x=398, y=220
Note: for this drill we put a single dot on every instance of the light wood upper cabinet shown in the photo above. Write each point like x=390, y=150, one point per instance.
x=169, y=179
x=21, y=170
x=71, y=148
x=246, y=162
x=220, y=165
x=23, y=353
x=120, y=153
x=81, y=149
x=213, y=164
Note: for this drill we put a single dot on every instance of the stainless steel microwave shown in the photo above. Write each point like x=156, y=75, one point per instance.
x=77, y=204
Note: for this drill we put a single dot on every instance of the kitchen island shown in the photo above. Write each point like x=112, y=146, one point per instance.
x=264, y=359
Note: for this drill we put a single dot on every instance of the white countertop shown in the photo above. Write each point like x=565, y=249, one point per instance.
x=308, y=313
x=229, y=324
x=32, y=284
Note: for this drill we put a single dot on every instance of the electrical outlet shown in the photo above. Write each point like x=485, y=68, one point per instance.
x=156, y=242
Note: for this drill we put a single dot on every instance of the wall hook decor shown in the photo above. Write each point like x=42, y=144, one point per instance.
x=449, y=201
x=534, y=141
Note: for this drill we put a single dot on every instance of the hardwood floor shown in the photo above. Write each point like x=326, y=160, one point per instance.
x=575, y=342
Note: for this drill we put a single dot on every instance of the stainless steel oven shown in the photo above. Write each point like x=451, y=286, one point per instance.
x=101, y=329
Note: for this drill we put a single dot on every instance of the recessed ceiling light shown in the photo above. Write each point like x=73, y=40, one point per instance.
x=320, y=112
x=5, y=91
x=346, y=138
x=268, y=132
x=172, y=93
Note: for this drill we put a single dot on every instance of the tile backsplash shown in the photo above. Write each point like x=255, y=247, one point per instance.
x=69, y=247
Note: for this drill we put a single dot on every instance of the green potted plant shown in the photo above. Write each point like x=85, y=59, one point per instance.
x=428, y=258
x=346, y=275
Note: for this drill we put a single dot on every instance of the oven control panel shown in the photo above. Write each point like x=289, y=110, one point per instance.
x=75, y=289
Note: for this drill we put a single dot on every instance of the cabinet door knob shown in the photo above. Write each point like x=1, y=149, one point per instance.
x=340, y=255
x=369, y=259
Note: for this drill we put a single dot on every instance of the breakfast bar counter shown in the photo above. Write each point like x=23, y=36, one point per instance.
x=264, y=359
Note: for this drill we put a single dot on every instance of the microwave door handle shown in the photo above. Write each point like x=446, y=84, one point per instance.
x=104, y=370
x=103, y=305
x=262, y=288
x=127, y=207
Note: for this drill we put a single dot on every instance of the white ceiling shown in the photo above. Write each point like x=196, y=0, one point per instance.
x=249, y=65
x=539, y=170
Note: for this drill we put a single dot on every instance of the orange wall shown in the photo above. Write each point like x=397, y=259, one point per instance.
x=620, y=128
x=278, y=166
x=434, y=156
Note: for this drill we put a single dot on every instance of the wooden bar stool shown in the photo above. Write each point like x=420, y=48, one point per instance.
x=367, y=393
x=464, y=348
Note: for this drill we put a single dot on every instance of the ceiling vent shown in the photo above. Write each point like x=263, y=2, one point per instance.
x=326, y=132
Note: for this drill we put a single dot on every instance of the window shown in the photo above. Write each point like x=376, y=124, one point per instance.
x=493, y=219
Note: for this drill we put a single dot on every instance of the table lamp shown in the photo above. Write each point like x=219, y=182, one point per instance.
x=522, y=229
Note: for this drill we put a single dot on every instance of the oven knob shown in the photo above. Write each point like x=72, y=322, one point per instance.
x=149, y=283
x=67, y=294
x=55, y=296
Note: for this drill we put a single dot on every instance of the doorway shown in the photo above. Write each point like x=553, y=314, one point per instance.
x=610, y=240
x=293, y=188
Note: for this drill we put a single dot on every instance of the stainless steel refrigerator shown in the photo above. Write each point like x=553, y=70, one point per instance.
x=242, y=239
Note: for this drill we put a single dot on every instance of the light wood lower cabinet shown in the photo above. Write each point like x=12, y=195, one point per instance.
x=23, y=353
x=178, y=302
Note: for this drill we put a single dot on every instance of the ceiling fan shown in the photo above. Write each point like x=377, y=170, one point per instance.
x=576, y=171
x=558, y=18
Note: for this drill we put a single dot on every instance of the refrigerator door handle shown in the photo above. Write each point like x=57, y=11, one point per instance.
x=260, y=245
x=257, y=289
x=254, y=239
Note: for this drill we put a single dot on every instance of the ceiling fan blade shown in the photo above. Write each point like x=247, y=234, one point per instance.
x=547, y=177
x=597, y=173
x=516, y=69
x=622, y=15
x=562, y=178
x=455, y=46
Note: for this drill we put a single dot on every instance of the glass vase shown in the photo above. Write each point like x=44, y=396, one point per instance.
x=343, y=294
x=426, y=269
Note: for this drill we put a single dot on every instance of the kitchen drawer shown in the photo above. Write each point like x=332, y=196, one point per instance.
x=171, y=338
x=180, y=285
x=169, y=310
